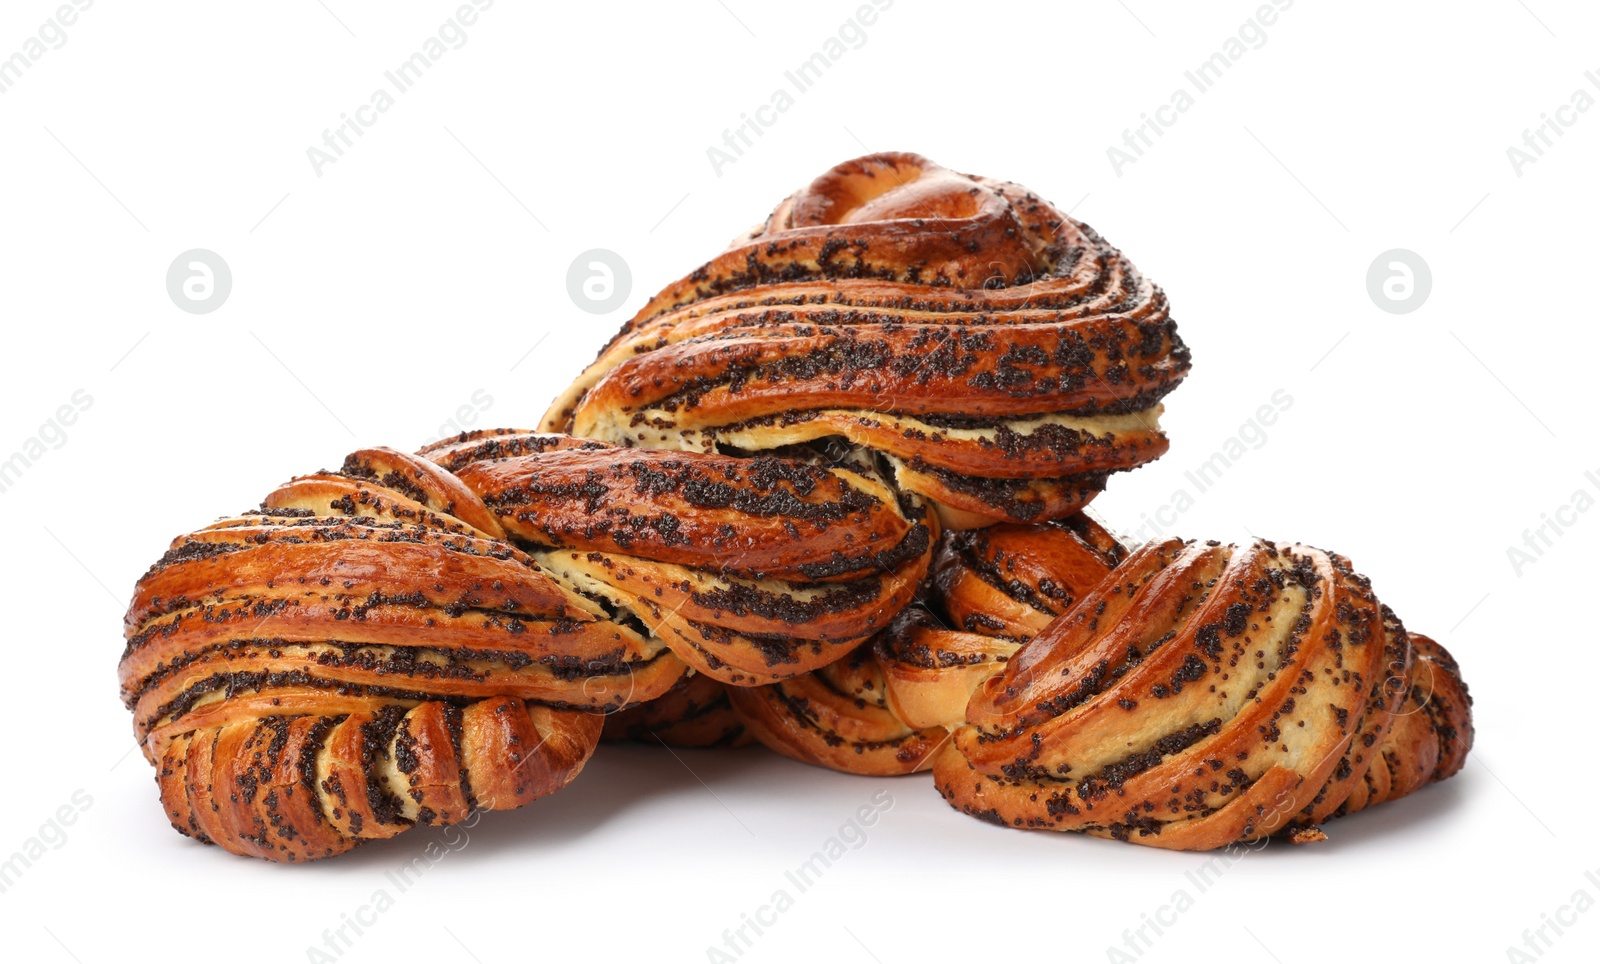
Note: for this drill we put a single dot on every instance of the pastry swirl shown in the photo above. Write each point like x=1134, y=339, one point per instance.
x=1001, y=357
x=826, y=492
x=1207, y=694
x=366, y=652
x=414, y=637
x=751, y=570
x=993, y=590
x=887, y=707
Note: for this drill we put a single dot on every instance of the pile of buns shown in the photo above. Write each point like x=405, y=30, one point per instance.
x=826, y=494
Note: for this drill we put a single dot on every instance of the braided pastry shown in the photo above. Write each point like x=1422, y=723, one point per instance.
x=890, y=704
x=903, y=372
x=371, y=650
x=837, y=717
x=357, y=657
x=1206, y=694
x=1002, y=358
x=751, y=570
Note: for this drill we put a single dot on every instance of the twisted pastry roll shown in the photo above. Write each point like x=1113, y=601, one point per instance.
x=1002, y=358
x=359, y=656
x=1206, y=694
x=398, y=643
x=994, y=589
x=837, y=717
x=751, y=570
x=887, y=707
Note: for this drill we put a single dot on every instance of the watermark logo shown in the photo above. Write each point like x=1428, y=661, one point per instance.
x=1153, y=924
x=603, y=693
x=851, y=35
x=353, y=124
x=52, y=434
x=1552, y=126
x=1553, y=525
x=199, y=281
x=353, y=924
x=852, y=835
x=1399, y=281
x=51, y=35
x=1251, y=35
x=1252, y=435
x=1553, y=925
x=466, y=416
x=51, y=835
x=598, y=281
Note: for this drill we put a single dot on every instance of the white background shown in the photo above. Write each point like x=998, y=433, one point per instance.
x=372, y=301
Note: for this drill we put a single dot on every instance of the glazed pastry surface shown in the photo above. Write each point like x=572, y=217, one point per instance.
x=890, y=705
x=1002, y=358
x=413, y=637
x=1204, y=695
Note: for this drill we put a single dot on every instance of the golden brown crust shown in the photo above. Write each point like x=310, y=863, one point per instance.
x=1010, y=581
x=299, y=787
x=903, y=372
x=1001, y=356
x=1428, y=740
x=751, y=570
x=993, y=589
x=888, y=707
x=1204, y=695
x=837, y=717
x=358, y=656
x=411, y=638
